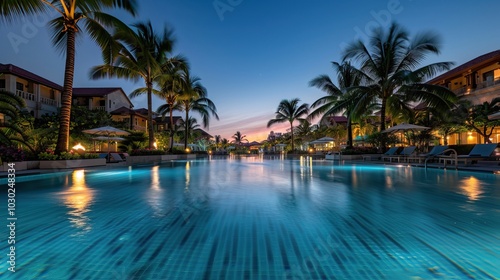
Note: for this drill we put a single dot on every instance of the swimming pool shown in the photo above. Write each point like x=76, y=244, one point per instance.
x=256, y=219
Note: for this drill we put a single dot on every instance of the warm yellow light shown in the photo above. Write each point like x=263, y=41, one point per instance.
x=188, y=150
x=469, y=133
x=210, y=152
x=79, y=147
x=155, y=145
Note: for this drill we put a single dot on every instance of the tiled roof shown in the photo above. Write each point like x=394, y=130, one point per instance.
x=126, y=111
x=203, y=133
x=479, y=61
x=12, y=69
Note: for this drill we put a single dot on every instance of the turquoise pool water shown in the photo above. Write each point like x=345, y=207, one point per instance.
x=256, y=219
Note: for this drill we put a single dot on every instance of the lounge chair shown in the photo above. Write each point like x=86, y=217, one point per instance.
x=391, y=152
x=435, y=151
x=114, y=157
x=404, y=155
x=480, y=151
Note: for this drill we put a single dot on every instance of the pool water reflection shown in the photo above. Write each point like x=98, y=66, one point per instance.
x=252, y=218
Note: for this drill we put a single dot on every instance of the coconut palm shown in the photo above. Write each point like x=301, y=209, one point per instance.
x=191, y=125
x=338, y=98
x=193, y=97
x=142, y=54
x=72, y=16
x=289, y=111
x=170, y=89
x=390, y=65
x=239, y=138
x=218, y=140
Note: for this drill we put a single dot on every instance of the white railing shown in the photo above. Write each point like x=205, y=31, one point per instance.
x=48, y=101
x=100, y=108
x=25, y=95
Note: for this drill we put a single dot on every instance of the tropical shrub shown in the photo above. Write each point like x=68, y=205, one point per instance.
x=69, y=155
x=10, y=154
x=47, y=156
x=90, y=156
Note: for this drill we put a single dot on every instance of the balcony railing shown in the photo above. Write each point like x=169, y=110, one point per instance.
x=486, y=84
x=48, y=101
x=25, y=95
x=99, y=108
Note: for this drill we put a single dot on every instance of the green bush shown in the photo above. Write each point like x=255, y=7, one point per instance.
x=89, y=155
x=67, y=156
x=47, y=156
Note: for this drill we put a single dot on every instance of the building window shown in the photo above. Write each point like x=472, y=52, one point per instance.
x=488, y=77
x=2, y=83
x=19, y=86
x=52, y=94
x=109, y=104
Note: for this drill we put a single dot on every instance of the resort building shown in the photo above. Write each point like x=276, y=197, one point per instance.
x=105, y=99
x=132, y=119
x=40, y=95
x=162, y=123
x=478, y=81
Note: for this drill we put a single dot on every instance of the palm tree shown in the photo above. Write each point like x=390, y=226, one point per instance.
x=12, y=131
x=193, y=97
x=170, y=83
x=337, y=98
x=289, y=110
x=73, y=15
x=191, y=124
x=218, y=139
x=478, y=118
x=142, y=55
x=390, y=65
x=239, y=138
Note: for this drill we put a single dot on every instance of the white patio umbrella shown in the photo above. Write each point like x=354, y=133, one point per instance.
x=106, y=131
x=405, y=127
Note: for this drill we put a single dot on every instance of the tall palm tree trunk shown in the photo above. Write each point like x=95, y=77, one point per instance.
x=150, y=116
x=186, y=129
x=171, y=129
x=291, y=130
x=349, y=133
x=382, y=124
x=66, y=98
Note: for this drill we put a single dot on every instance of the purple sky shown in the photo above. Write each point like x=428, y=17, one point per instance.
x=252, y=54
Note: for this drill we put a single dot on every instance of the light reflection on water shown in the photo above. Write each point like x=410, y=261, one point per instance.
x=79, y=198
x=280, y=219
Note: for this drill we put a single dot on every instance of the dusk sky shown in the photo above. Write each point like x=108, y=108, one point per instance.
x=252, y=54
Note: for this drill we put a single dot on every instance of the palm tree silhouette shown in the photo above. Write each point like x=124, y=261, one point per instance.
x=393, y=78
x=72, y=16
x=289, y=111
x=141, y=56
x=338, y=98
